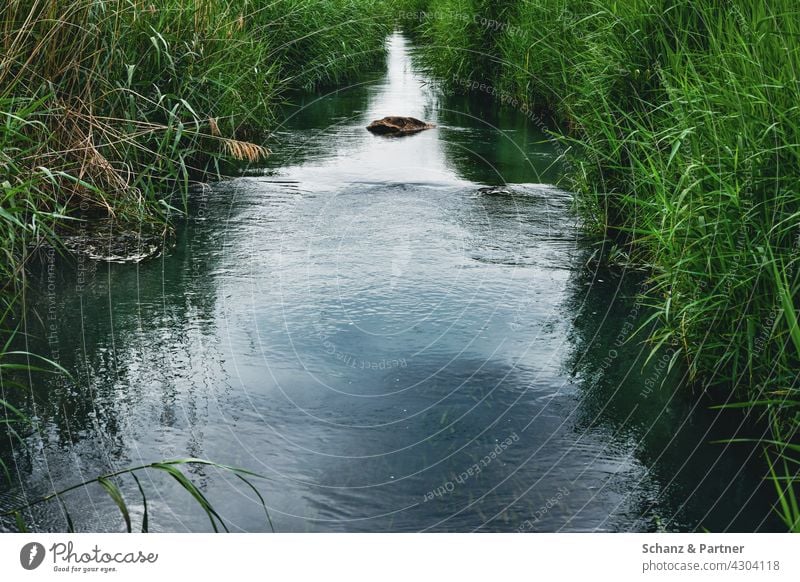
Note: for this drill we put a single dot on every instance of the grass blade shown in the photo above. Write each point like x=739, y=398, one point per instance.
x=115, y=494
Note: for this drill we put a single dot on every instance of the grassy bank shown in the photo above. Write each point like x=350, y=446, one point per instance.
x=112, y=107
x=684, y=131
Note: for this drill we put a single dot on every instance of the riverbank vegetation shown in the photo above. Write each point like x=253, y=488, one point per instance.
x=683, y=132
x=111, y=108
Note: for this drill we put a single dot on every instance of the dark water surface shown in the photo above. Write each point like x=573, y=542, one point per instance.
x=390, y=348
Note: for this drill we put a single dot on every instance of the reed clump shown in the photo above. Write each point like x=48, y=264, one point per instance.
x=113, y=107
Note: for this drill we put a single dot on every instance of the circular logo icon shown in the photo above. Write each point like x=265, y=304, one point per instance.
x=31, y=555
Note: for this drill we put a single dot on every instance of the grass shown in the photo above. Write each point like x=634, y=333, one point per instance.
x=171, y=468
x=684, y=122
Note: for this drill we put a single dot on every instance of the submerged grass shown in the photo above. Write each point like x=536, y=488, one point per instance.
x=684, y=122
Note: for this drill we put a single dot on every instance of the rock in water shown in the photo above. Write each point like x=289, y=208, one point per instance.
x=494, y=190
x=394, y=125
x=113, y=242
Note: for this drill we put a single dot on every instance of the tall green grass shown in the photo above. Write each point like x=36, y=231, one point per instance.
x=112, y=107
x=684, y=119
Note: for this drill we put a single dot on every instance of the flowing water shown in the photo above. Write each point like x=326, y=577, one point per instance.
x=390, y=347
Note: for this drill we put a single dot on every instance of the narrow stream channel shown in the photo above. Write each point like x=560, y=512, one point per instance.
x=391, y=348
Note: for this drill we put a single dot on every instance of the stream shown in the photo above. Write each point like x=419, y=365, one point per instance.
x=389, y=347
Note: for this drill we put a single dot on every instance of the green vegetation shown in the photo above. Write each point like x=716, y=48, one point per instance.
x=683, y=122
x=171, y=468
